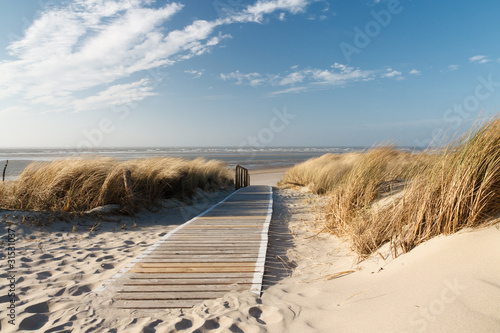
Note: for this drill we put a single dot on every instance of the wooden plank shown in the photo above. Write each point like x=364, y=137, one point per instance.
x=195, y=265
x=172, y=295
x=210, y=241
x=231, y=269
x=200, y=256
x=228, y=226
x=151, y=304
x=207, y=250
x=237, y=217
x=190, y=276
x=198, y=260
x=151, y=288
x=208, y=244
x=190, y=282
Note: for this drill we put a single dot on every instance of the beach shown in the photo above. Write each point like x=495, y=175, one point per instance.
x=312, y=282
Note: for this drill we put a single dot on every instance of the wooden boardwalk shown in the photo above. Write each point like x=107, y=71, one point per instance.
x=221, y=250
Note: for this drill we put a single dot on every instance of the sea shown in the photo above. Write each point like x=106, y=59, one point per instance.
x=251, y=158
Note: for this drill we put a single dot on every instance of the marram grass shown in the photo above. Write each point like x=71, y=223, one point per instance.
x=437, y=192
x=80, y=184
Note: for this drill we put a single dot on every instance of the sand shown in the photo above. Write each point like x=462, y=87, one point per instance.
x=269, y=177
x=312, y=283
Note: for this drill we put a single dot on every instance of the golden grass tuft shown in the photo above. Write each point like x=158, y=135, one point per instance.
x=384, y=195
x=80, y=184
x=462, y=189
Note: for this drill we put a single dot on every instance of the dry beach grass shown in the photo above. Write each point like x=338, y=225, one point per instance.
x=80, y=184
x=430, y=193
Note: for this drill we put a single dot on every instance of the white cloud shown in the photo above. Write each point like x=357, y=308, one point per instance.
x=89, y=45
x=479, y=59
x=392, y=74
x=453, y=67
x=288, y=91
x=338, y=75
x=282, y=16
x=194, y=72
x=256, y=12
x=415, y=72
x=292, y=78
x=254, y=79
x=120, y=94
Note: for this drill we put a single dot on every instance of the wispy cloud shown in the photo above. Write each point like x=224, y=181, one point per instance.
x=415, y=72
x=336, y=75
x=195, y=73
x=119, y=94
x=87, y=46
x=453, y=67
x=288, y=91
x=392, y=74
x=479, y=59
x=254, y=79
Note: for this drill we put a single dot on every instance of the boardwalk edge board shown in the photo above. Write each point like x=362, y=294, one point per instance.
x=261, y=259
x=154, y=246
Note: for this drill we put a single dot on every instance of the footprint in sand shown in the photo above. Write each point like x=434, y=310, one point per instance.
x=38, y=308
x=33, y=322
x=211, y=324
x=266, y=314
x=184, y=324
x=107, y=266
x=78, y=290
x=105, y=258
x=60, y=328
x=43, y=275
x=46, y=256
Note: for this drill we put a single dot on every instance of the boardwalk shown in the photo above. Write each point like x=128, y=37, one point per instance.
x=222, y=250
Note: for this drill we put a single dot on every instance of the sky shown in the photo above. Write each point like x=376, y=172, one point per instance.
x=257, y=73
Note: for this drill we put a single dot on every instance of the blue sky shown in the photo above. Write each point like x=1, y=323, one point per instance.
x=89, y=73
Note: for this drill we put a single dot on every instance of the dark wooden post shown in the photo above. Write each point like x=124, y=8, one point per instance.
x=4, y=170
x=242, y=177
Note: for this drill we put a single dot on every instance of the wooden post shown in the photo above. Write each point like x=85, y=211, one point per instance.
x=4, y=170
x=242, y=177
x=127, y=181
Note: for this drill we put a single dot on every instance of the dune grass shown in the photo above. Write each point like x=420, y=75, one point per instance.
x=363, y=171
x=383, y=195
x=80, y=184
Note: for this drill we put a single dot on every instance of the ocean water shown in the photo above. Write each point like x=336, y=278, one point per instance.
x=251, y=158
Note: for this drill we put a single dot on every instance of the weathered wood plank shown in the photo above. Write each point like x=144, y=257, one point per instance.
x=195, y=265
x=172, y=295
x=228, y=226
x=186, y=282
x=198, y=260
x=233, y=217
x=151, y=288
x=200, y=256
x=235, y=269
x=190, y=276
x=151, y=304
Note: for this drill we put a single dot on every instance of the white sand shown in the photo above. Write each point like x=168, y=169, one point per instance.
x=449, y=284
x=269, y=177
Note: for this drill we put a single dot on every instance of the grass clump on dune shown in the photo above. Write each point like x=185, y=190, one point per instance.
x=80, y=184
x=462, y=189
x=363, y=172
x=384, y=195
